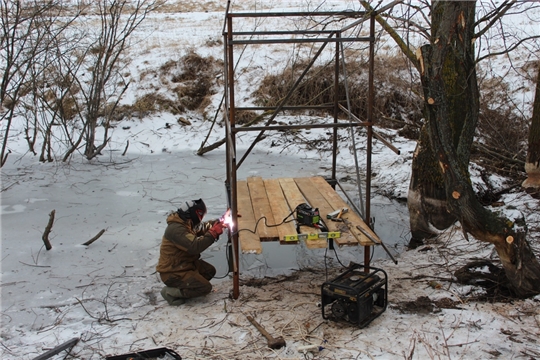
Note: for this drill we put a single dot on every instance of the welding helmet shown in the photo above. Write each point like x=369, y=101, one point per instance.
x=193, y=210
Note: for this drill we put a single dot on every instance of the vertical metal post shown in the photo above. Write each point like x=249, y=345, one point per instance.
x=231, y=148
x=360, y=208
x=228, y=155
x=336, y=110
x=367, y=249
x=226, y=98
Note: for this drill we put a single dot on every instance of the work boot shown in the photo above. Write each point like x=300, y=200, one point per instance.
x=173, y=296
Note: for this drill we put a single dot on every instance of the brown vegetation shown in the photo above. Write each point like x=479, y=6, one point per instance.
x=191, y=6
x=500, y=144
x=396, y=101
x=189, y=84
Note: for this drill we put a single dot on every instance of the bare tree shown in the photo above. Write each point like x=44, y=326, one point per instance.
x=22, y=42
x=103, y=86
x=68, y=80
x=440, y=190
x=30, y=29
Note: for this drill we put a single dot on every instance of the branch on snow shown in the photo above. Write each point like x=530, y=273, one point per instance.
x=48, y=228
x=94, y=238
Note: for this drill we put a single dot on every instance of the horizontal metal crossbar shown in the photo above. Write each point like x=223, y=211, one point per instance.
x=346, y=13
x=302, y=107
x=306, y=127
x=283, y=32
x=299, y=41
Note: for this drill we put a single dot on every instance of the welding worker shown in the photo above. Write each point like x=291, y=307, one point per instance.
x=185, y=275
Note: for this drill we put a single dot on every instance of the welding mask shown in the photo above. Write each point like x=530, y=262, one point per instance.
x=193, y=210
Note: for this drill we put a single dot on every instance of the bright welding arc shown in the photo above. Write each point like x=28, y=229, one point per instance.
x=226, y=219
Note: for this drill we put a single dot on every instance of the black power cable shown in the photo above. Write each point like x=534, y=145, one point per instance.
x=323, y=227
x=254, y=231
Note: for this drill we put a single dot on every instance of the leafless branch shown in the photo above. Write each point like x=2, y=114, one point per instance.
x=393, y=33
x=126, y=148
x=94, y=238
x=493, y=16
x=508, y=49
x=48, y=228
x=41, y=266
x=9, y=186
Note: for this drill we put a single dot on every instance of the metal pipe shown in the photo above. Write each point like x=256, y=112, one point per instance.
x=311, y=14
x=377, y=241
x=299, y=41
x=283, y=32
x=228, y=148
x=367, y=257
x=302, y=107
x=336, y=108
x=348, y=198
x=233, y=169
x=226, y=16
x=358, y=182
x=288, y=127
x=228, y=131
x=375, y=134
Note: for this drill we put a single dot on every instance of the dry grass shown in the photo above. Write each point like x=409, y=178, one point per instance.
x=191, y=6
x=501, y=130
x=189, y=84
x=499, y=125
x=396, y=101
x=196, y=79
x=146, y=105
x=245, y=116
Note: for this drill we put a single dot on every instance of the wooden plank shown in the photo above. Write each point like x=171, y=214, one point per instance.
x=262, y=209
x=351, y=218
x=316, y=199
x=316, y=244
x=280, y=209
x=294, y=197
x=249, y=241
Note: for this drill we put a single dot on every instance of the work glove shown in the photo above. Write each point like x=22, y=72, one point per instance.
x=216, y=230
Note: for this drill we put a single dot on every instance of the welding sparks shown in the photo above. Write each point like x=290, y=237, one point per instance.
x=226, y=219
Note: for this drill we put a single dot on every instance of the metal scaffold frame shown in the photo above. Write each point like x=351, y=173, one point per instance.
x=324, y=37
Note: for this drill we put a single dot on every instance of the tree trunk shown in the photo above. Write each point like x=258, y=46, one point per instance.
x=427, y=200
x=532, y=164
x=452, y=44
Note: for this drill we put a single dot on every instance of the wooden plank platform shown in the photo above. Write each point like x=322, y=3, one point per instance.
x=267, y=209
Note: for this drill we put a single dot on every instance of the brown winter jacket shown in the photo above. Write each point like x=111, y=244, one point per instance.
x=182, y=245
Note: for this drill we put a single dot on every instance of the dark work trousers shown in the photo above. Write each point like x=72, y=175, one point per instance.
x=193, y=283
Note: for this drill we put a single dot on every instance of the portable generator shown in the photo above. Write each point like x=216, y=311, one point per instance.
x=356, y=296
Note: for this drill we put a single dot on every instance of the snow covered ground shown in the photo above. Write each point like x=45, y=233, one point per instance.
x=107, y=294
